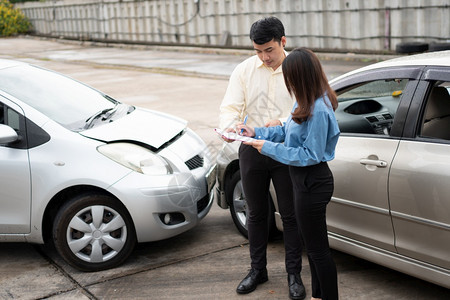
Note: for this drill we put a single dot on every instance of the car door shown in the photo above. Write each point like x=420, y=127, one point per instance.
x=371, y=113
x=15, y=186
x=419, y=182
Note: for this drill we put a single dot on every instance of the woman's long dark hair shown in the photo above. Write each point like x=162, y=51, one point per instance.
x=306, y=81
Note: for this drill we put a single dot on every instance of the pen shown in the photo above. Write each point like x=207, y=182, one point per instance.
x=245, y=122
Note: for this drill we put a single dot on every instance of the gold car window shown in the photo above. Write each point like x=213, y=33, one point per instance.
x=370, y=107
x=436, y=120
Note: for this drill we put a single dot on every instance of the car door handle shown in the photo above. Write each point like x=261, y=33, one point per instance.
x=371, y=162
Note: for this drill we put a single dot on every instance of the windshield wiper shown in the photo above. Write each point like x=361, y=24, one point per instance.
x=106, y=113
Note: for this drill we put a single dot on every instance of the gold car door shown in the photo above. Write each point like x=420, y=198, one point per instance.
x=359, y=211
x=419, y=184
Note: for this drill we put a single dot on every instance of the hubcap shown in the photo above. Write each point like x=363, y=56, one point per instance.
x=96, y=234
x=240, y=204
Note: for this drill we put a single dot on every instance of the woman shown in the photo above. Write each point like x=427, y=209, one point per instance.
x=306, y=142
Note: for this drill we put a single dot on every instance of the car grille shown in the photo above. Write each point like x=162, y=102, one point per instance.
x=195, y=162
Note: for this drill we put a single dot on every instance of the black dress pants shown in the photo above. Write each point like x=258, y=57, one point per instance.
x=256, y=172
x=313, y=188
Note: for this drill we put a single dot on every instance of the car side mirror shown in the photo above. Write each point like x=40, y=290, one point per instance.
x=7, y=134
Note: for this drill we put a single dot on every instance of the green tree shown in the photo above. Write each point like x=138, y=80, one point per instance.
x=12, y=21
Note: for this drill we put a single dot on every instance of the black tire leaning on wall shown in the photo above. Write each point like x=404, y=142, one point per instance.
x=411, y=47
x=438, y=47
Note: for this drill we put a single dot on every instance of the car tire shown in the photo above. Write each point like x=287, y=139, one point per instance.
x=238, y=207
x=411, y=47
x=438, y=47
x=93, y=232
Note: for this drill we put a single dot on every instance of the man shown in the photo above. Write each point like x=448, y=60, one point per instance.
x=257, y=90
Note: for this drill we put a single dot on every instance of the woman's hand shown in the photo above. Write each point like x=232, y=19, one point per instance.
x=257, y=144
x=245, y=130
x=249, y=131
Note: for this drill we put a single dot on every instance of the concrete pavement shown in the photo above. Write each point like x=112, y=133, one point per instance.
x=208, y=261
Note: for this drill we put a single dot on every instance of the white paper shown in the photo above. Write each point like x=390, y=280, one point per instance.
x=233, y=136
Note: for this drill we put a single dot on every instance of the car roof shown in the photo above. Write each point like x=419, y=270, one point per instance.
x=440, y=58
x=7, y=63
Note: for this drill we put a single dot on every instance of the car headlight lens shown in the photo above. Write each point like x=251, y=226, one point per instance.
x=136, y=158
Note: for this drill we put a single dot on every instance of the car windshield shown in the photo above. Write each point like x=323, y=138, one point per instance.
x=64, y=100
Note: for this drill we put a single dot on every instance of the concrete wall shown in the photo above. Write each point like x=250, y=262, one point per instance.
x=350, y=25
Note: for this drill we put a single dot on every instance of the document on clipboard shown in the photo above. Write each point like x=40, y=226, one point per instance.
x=233, y=136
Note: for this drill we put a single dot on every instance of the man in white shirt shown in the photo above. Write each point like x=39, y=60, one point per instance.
x=256, y=89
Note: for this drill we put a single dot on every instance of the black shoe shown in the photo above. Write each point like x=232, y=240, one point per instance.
x=296, y=287
x=251, y=281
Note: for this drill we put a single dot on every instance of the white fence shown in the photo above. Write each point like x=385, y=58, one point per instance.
x=350, y=25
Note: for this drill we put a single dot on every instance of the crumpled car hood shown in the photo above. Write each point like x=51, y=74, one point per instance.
x=144, y=126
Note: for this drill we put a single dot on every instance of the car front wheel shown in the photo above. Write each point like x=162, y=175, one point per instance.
x=237, y=203
x=238, y=207
x=93, y=232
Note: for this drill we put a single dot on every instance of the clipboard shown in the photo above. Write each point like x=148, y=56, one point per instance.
x=233, y=136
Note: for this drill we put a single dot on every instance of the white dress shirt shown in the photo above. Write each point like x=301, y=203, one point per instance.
x=258, y=91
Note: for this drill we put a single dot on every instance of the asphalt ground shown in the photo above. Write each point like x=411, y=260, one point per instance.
x=208, y=261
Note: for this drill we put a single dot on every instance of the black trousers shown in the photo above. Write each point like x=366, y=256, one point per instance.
x=313, y=188
x=256, y=171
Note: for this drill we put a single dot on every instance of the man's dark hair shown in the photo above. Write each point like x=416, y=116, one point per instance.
x=266, y=29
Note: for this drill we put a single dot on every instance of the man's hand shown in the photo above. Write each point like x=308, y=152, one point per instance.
x=272, y=123
x=228, y=130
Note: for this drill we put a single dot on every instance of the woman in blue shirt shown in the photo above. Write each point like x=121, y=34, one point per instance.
x=306, y=142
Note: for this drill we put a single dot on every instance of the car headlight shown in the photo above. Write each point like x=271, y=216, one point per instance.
x=136, y=157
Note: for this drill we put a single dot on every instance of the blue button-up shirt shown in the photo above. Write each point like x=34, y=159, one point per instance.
x=305, y=144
